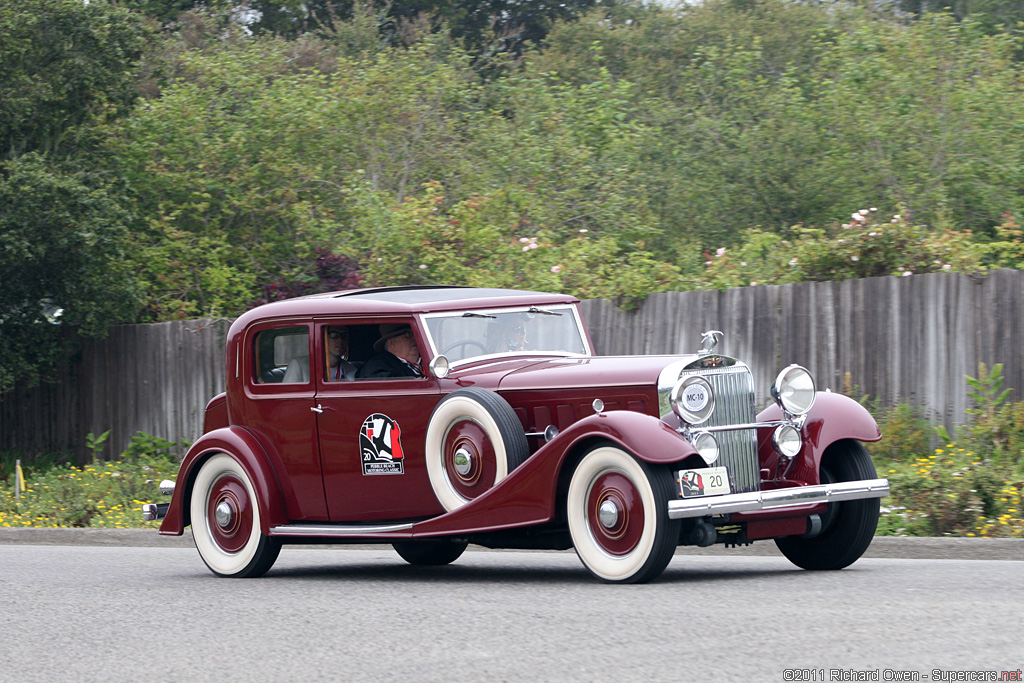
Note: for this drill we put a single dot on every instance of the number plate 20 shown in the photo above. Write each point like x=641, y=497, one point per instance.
x=712, y=481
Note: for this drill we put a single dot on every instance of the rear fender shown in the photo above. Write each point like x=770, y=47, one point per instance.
x=240, y=445
x=833, y=418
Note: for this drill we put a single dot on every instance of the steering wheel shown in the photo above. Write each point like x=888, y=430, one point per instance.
x=463, y=345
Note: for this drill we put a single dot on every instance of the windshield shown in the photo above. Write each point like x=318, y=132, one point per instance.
x=472, y=334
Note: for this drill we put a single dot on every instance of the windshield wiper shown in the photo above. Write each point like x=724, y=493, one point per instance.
x=541, y=311
x=471, y=314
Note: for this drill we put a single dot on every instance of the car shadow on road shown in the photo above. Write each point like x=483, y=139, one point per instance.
x=560, y=571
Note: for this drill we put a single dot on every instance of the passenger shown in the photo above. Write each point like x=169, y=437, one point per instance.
x=339, y=369
x=397, y=354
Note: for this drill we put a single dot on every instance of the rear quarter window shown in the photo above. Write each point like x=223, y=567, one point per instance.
x=281, y=356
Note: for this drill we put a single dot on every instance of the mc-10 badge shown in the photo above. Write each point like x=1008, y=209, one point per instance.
x=380, y=446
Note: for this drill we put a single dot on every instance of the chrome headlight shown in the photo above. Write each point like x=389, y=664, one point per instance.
x=787, y=441
x=692, y=400
x=707, y=445
x=794, y=390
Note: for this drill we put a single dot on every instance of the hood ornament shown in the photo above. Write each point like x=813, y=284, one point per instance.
x=708, y=341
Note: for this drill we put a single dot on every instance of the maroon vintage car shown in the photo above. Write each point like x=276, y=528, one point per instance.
x=509, y=433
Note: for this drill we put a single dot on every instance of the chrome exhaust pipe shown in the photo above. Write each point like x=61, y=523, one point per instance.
x=154, y=511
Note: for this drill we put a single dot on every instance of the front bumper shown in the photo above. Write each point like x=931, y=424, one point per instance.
x=779, y=498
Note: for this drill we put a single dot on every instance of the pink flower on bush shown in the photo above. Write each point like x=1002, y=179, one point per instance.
x=555, y=269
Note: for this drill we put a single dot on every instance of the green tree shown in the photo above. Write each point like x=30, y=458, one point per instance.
x=63, y=63
x=62, y=263
x=242, y=169
x=926, y=117
x=724, y=90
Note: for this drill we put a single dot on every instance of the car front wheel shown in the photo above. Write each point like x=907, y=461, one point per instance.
x=226, y=521
x=847, y=527
x=617, y=509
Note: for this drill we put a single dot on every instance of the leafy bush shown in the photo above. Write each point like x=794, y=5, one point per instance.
x=869, y=245
x=101, y=494
x=953, y=492
x=481, y=242
x=906, y=436
x=972, y=484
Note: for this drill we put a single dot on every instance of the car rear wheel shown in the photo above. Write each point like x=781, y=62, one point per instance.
x=430, y=552
x=474, y=439
x=847, y=526
x=226, y=521
x=617, y=509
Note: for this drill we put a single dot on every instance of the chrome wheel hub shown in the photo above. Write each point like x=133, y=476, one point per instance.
x=608, y=514
x=225, y=514
x=463, y=461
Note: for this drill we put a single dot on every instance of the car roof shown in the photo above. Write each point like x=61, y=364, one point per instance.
x=401, y=301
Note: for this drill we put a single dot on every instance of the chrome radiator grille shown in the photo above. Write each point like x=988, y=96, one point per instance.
x=734, y=404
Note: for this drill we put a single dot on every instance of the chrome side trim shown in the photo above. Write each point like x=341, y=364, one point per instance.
x=334, y=530
x=167, y=487
x=778, y=498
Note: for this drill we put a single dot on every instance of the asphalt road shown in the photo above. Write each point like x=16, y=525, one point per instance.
x=130, y=613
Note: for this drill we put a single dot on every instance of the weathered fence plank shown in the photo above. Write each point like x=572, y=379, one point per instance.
x=900, y=339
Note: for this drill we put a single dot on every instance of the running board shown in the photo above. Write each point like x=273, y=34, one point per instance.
x=335, y=531
x=778, y=498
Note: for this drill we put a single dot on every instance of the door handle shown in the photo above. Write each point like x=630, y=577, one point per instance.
x=317, y=409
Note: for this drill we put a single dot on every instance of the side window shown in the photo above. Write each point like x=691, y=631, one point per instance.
x=358, y=349
x=282, y=356
x=346, y=346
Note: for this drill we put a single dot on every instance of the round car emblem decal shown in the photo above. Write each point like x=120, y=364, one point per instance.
x=696, y=397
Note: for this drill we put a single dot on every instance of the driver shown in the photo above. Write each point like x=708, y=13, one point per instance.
x=508, y=334
x=397, y=354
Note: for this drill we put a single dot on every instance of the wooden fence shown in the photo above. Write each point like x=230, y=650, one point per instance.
x=900, y=339
x=153, y=378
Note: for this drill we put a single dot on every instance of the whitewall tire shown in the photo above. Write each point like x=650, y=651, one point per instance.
x=617, y=510
x=474, y=439
x=225, y=518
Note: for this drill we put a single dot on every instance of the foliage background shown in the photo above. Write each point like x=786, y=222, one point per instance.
x=162, y=159
x=167, y=159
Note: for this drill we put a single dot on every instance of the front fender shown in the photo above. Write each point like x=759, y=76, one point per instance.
x=241, y=445
x=645, y=436
x=528, y=494
x=833, y=417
